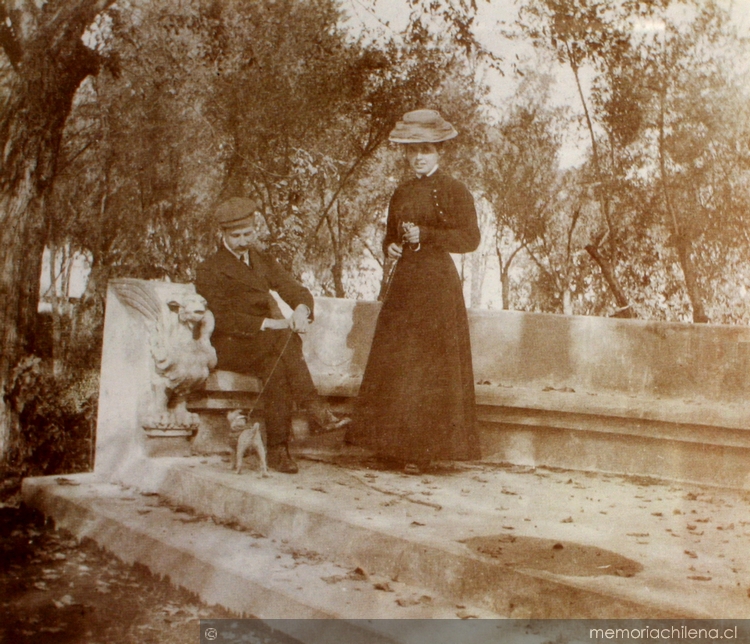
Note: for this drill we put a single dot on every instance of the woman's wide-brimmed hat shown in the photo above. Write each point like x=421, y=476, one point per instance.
x=422, y=126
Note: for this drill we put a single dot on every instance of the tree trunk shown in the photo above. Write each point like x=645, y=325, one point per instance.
x=337, y=270
x=478, y=266
x=505, y=273
x=681, y=241
x=624, y=310
x=49, y=60
x=604, y=264
x=505, y=287
x=567, y=302
x=695, y=295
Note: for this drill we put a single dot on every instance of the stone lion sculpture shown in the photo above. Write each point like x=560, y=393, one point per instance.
x=181, y=348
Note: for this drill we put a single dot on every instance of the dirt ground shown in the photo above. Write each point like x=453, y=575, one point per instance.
x=58, y=591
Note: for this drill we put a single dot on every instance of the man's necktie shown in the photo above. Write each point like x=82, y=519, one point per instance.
x=246, y=259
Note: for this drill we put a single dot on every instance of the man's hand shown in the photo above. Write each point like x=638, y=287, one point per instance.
x=300, y=320
x=395, y=251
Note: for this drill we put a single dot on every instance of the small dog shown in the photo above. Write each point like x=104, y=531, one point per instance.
x=249, y=436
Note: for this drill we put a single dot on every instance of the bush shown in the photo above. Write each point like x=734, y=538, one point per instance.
x=54, y=419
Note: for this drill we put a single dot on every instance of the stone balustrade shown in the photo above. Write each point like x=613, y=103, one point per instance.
x=666, y=381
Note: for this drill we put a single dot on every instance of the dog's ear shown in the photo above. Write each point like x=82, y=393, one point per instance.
x=236, y=416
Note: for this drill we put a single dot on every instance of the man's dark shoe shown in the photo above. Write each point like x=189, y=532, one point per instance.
x=279, y=460
x=322, y=420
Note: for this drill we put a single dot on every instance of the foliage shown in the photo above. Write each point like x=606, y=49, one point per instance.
x=201, y=100
x=56, y=420
x=273, y=100
x=667, y=157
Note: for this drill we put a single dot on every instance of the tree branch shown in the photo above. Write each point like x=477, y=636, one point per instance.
x=8, y=40
x=372, y=146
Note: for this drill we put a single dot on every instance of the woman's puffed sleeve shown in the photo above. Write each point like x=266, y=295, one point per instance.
x=461, y=232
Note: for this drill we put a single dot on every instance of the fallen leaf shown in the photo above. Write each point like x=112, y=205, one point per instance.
x=333, y=579
x=384, y=586
x=404, y=602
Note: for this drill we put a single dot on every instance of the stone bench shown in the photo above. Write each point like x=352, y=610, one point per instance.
x=224, y=391
x=633, y=396
x=651, y=398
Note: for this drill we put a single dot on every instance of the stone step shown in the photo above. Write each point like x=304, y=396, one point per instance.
x=510, y=542
x=396, y=527
x=684, y=452
x=226, y=563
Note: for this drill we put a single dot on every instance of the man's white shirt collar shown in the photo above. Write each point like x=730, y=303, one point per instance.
x=240, y=256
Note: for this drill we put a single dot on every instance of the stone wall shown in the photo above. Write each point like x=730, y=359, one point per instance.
x=696, y=374
x=605, y=355
x=536, y=350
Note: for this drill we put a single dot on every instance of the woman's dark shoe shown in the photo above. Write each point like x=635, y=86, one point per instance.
x=279, y=460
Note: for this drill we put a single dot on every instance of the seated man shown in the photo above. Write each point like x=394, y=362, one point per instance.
x=251, y=335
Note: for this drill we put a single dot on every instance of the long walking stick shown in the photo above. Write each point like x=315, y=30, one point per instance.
x=388, y=281
x=406, y=226
x=270, y=375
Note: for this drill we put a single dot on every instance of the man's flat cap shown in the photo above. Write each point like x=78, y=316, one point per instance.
x=237, y=212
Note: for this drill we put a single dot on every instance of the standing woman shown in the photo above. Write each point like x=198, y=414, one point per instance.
x=416, y=403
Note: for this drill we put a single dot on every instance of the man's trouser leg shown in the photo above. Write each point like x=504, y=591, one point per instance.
x=286, y=375
x=290, y=382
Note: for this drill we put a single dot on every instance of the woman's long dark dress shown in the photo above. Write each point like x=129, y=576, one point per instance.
x=416, y=402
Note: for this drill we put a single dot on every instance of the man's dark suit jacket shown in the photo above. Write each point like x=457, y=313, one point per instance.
x=240, y=300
